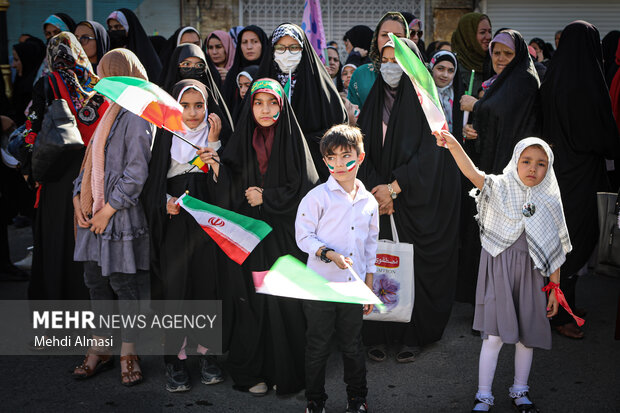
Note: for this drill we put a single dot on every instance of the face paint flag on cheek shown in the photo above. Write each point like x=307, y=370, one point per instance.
x=351, y=165
x=276, y=116
x=331, y=168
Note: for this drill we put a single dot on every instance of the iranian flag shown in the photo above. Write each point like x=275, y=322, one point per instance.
x=145, y=99
x=236, y=234
x=289, y=277
x=423, y=83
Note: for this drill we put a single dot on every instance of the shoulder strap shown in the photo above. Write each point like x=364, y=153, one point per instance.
x=53, y=79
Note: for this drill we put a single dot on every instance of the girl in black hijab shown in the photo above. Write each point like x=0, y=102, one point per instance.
x=267, y=170
x=246, y=54
x=180, y=249
x=128, y=32
x=27, y=58
x=85, y=31
x=179, y=67
x=401, y=154
x=308, y=86
x=583, y=133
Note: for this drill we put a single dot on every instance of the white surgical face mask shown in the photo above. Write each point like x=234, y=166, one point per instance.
x=287, y=61
x=391, y=73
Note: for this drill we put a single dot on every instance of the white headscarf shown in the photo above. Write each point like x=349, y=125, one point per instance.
x=185, y=30
x=446, y=93
x=181, y=151
x=507, y=207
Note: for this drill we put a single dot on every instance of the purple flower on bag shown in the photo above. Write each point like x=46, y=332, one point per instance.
x=386, y=289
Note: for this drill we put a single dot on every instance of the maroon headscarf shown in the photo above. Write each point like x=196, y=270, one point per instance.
x=262, y=138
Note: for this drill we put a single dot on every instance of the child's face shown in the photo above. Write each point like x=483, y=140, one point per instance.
x=343, y=163
x=265, y=108
x=193, y=108
x=244, y=85
x=532, y=166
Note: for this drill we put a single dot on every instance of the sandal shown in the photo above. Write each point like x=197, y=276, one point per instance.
x=131, y=377
x=377, y=353
x=105, y=362
x=407, y=354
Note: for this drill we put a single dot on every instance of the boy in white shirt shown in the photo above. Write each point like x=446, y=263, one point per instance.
x=337, y=224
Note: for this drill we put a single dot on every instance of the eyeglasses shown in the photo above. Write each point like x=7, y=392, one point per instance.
x=85, y=39
x=294, y=48
x=333, y=59
x=187, y=65
x=419, y=32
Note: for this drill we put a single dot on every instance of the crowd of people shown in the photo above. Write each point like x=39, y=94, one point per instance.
x=106, y=222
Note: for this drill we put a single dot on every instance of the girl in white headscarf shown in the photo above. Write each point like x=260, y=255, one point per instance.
x=524, y=238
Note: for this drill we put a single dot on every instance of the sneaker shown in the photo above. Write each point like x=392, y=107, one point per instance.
x=177, y=377
x=210, y=371
x=357, y=405
x=315, y=407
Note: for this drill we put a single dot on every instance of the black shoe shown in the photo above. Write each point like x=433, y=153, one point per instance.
x=476, y=403
x=177, y=377
x=524, y=407
x=210, y=371
x=315, y=407
x=357, y=405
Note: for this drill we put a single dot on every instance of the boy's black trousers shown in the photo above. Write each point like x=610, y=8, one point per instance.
x=344, y=323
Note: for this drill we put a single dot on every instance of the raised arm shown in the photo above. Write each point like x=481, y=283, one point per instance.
x=465, y=164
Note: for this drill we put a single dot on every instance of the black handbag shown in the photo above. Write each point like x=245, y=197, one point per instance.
x=609, y=234
x=57, y=142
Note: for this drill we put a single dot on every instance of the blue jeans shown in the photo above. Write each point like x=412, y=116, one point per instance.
x=102, y=294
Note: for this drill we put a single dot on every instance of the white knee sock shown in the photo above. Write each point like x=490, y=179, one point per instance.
x=486, y=368
x=523, y=364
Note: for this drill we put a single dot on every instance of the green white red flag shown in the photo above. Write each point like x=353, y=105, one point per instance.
x=289, y=277
x=145, y=99
x=423, y=83
x=237, y=235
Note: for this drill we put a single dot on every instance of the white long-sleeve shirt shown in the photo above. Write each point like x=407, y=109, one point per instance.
x=327, y=216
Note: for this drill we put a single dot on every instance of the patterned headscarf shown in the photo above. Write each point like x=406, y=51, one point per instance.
x=77, y=72
x=287, y=30
x=270, y=86
x=262, y=138
x=507, y=207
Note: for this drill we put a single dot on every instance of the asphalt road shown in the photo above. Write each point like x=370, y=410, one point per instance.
x=575, y=376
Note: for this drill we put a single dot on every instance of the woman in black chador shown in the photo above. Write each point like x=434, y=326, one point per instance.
x=421, y=186
x=583, y=134
x=188, y=61
x=267, y=171
x=309, y=88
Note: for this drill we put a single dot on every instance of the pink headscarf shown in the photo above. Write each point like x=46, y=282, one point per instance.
x=228, y=44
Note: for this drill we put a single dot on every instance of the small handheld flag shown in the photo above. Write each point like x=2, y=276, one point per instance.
x=289, y=277
x=237, y=235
